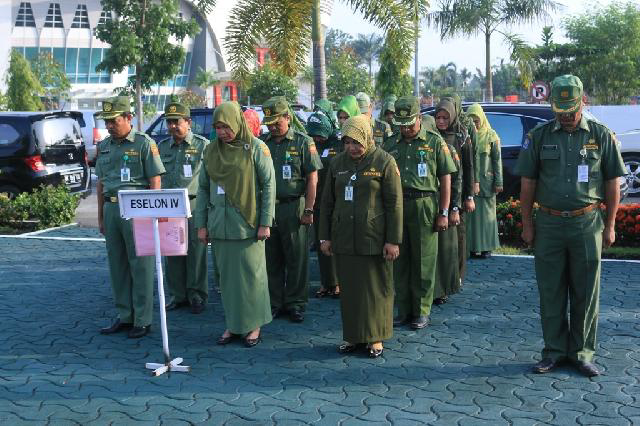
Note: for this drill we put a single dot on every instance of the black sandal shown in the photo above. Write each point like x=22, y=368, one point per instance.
x=347, y=348
x=323, y=292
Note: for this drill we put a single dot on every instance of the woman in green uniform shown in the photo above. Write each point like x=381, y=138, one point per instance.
x=235, y=209
x=361, y=225
x=482, y=226
x=347, y=108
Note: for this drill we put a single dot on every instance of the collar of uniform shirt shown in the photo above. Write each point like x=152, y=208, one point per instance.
x=581, y=125
x=131, y=137
x=186, y=139
x=288, y=135
x=422, y=134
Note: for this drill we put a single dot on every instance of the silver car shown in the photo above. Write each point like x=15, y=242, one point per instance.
x=93, y=131
x=630, y=149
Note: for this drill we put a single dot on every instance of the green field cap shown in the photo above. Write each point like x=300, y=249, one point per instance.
x=113, y=107
x=407, y=111
x=566, y=93
x=364, y=101
x=274, y=108
x=176, y=110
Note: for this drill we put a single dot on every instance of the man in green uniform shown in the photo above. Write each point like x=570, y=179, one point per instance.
x=328, y=146
x=387, y=111
x=296, y=162
x=127, y=159
x=381, y=129
x=569, y=166
x=425, y=165
x=181, y=156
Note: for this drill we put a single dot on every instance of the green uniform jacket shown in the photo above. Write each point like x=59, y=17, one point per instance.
x=220, y=217
x=176, y=156
x=381, y=131
x=489, y=166
x=137, y=152
x=470, y=127
x=426, y=148
x=374, y=217
x=299, y=152
x=551, y=156
x=328, y=151
x=456, y=180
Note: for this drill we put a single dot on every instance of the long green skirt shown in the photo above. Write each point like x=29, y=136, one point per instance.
x=243, y=284
x=447, y=272
x=366, y=297
x=482, y=226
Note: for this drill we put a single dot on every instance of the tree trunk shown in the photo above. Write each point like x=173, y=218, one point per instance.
x=487, y=53
x=416, y=84
x=319, y=72
x=139, y=113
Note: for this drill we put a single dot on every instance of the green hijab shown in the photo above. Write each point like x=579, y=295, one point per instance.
x=231, y=165
x=447, y=104
x=359, y=129
x=349, y=104
x=326, y=107
x=485, y=134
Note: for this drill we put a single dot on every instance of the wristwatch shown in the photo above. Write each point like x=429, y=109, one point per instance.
x=444, y=212
x=308, y=212
x=455, y=208
x=470, y=197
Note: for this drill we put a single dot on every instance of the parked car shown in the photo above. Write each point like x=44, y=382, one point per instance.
x=512, y=122
x=630, y=148
x=201, y=124
x=93, y=131
x=42, y=148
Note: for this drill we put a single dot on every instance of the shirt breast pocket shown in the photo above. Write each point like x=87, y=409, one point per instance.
x=549, y=154
x=168, y=162
x=593, y=160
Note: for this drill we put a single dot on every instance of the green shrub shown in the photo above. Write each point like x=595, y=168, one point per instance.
x=48, y=206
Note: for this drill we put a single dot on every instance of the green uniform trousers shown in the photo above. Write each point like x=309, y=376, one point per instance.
x=327, y=265
x=448, y=274
x=414, y=271
x=187, y=275
x=287, y=251
x=462, y=247
x=567, y=259
x=131, y=276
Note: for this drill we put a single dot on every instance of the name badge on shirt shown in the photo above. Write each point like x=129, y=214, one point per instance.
x=583, y=173
x=348, y=193
x=220, y=190
x=186, y=170
x=125, y=174
x=286, y=171
x=325, y=153
x=422, y=170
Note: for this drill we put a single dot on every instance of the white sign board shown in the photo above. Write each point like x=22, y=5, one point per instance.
x=154, y=203
x=540, y=90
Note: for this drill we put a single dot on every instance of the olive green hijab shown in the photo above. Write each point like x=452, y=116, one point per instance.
x=429, y=123
x=230, y=165
x=349, y=104
x=485, y=134
x=447, y=104
x=359, y=129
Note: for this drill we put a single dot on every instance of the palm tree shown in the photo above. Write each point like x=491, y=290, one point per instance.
x=367, y=48
x=452, y=74
x=288, y=27
x=467, y=17
x=206, y=79
x=465, y=75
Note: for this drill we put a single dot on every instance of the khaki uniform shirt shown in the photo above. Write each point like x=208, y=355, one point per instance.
x=175, y=156
x=552, y=157
x=373, y=217
x=298, y=151
x=427, y=151
x=136, y=152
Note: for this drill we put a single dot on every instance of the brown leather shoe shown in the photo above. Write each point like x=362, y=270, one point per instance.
x=116, y=327
x=544, y=366
x=587, y=368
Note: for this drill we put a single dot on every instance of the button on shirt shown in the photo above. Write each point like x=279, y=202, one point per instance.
x=176, y=155
x=552, y=155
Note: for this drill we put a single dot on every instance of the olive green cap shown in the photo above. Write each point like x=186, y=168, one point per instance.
x=566, y=93
x=113, y=107
x=364, y=101
x=407, y=111
x=274, y=108
x=176, y=110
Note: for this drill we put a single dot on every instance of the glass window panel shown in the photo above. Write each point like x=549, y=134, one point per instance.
x=58, y=55
x=25, y=16
x=96, y=58
x=105, y=78
x=8, y=135
x=72, y=59
x=83, y=60
x=30, y=53
x=508, y=127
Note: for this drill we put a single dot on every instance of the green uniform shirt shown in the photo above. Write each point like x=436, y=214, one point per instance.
x=427, y=154
x=552, y=156
x=381, y=131
x=176, y=156
x=456, y=179
x=137, y=152
x=327, y=151
x=373, y=217
x=297, y=151
x=488, y=166
x=220, y=217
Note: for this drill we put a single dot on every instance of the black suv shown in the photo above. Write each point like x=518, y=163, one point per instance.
x=42, y=148
x=201, y=124
x=512, y=122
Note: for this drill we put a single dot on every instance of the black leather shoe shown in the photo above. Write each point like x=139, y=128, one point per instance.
x=347, y=348
x=197, y=307
x=398, y=321
x=440, y=300
x=249, y=343
x=275, y=313
x=295, y=315
x=485, y=254
x=475, y=255
x=176, y=305
x=116, y=327
x=544, y=366
x=420, y=322
x=587, y=369
x=224, y=340
x=137, y=332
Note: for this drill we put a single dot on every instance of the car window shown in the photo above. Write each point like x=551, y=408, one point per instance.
x=509, y=128
x=159, y=129
x=198, y=124
x=8, y=135
x=60, y=131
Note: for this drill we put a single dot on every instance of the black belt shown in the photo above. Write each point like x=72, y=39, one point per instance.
x=412, y=194
x=285, y=200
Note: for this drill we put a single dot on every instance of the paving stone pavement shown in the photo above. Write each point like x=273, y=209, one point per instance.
x=470, y=367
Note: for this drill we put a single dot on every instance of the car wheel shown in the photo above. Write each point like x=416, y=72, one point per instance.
x=9, y=190
x=632, y=164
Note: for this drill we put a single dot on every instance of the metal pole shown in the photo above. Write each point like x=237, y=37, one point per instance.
x=163, y=312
